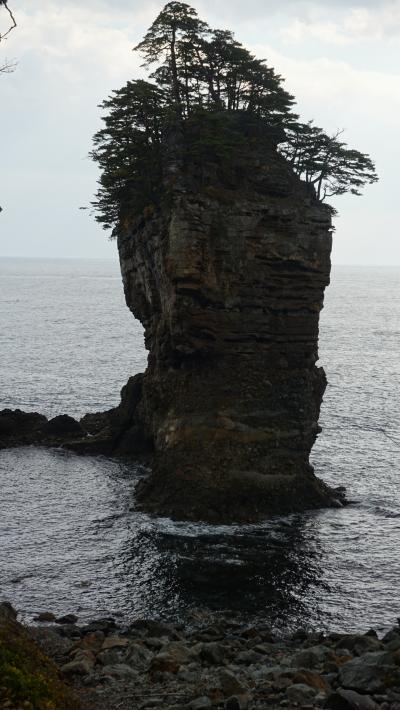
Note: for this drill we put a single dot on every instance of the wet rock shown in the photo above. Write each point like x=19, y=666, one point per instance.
x=67, y=619
x=350, y=700
x=51, y=642
x=154, y=628
x=114, y=642
x=230, y=684
x=109, y=658
x=281, y=679
x=249, y=632
x=188, y=676
x=164, y=663
x=104, y=624
x=314, y=680
x=359, y=644
x=62, y=426
x=45, y=616
x=237, y=702
x=371, y=673
x=213, y=654
x=77, y=667
x=300, y=693
x=18, y=427
x=372, y=633
x=310, y=657
x=247, y=658
x=155, y=643
x=138, y=656
x=391, y=635
x=93, y=640
x=300, y=635
x=69, y=631
x=181, y=653
x=7, y=612
x=393, y=645
x=82, y=654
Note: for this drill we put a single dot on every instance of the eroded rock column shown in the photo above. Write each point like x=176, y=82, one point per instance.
x=228, y=281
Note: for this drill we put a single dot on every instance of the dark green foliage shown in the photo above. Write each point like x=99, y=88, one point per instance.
x=128, y=151
x=208, y=68
x=203, y=82
x=326, y=162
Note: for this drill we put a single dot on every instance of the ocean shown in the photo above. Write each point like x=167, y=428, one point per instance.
x=71, y=540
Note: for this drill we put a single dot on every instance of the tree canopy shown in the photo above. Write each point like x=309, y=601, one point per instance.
x=326, y=162
x=199, y=74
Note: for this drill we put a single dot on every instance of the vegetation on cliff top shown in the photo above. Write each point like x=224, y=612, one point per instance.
x=202, y=77
x=27, y=677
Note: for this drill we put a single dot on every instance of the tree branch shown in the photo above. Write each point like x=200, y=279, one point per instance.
x=13, y=20
x=8, y=67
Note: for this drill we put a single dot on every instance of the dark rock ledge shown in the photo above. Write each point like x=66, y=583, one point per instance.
x=212, y=661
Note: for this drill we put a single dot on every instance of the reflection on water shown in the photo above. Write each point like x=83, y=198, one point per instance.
x=72, y=541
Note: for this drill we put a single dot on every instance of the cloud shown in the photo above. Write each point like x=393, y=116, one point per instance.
x=336, y=88
x=72, y=53
x=74, y=40
x=353, y=25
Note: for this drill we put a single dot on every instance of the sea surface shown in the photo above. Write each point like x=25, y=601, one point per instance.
x=70, y=540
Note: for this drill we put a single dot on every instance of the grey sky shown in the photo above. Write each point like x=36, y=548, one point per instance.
x=339, y=58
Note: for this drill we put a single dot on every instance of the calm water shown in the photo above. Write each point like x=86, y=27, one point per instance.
x=69, y=538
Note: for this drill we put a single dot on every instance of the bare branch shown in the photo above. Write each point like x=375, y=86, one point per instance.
x=8, y=67
x=12, y=18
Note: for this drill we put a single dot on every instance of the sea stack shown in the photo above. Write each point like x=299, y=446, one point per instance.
x=228, y=278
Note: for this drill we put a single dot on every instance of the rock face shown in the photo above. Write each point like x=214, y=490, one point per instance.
x=227, y=278
x=228, y=281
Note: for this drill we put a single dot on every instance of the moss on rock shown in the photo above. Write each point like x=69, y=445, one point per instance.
x=28, y=679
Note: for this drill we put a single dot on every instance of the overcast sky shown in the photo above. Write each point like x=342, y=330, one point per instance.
x=340, y=59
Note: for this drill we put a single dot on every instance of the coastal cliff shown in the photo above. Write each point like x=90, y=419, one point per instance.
x=228, y=280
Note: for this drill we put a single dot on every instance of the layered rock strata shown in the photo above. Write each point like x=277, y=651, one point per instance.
x=227, y=278
x=228, y=281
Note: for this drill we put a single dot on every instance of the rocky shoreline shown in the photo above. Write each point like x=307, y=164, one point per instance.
x=218, y=661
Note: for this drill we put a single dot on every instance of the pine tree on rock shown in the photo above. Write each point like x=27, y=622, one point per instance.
x=206, y=88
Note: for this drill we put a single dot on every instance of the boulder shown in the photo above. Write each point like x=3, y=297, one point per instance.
x=230, y=684
x=350, y=700
x=371, y=673
x=300, y=693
